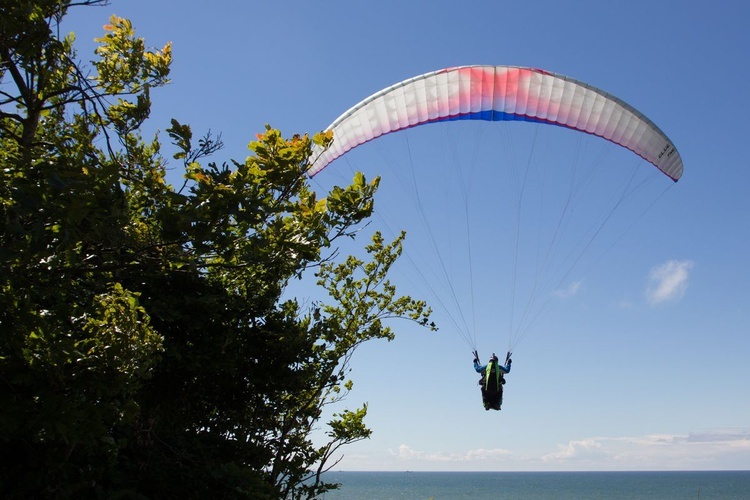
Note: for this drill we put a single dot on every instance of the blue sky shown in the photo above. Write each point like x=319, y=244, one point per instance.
x=644, y=366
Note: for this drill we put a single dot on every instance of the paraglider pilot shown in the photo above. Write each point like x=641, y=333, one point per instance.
x=492, y=380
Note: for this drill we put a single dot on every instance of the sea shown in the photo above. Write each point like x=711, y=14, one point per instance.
x=703, y=485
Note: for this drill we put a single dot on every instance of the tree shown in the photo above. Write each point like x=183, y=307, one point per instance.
x=146, y=350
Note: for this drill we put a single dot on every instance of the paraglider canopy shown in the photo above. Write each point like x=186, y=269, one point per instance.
x=497, y=93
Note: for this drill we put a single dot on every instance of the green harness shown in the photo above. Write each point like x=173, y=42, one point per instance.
x=493, y=385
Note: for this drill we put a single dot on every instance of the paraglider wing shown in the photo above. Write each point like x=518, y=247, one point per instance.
x=497, y=93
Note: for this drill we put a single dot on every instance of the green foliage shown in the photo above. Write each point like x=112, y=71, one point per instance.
x=117, y=335
x=124, y=64
x=146, y=350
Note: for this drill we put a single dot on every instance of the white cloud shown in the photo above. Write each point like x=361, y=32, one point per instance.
x=668, y=281
x=568, y=291
x=405, y=452
x=711, y=450
x=584, y=449
x=722, y=449
x=482, y=454
x=741, y=439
